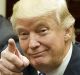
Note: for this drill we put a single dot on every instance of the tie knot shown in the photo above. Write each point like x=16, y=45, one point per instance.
x=42, y=73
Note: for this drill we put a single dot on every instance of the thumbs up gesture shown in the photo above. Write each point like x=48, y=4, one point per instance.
x=12, y=62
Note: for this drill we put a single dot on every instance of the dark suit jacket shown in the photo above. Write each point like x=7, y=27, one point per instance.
x=73, y=67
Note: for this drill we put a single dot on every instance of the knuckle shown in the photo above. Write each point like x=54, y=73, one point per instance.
x=17, y=63
x=20, y=66
x=12, y=58
x=3, y=53
x=1, y=61
x=7, y=73
x=13, y=67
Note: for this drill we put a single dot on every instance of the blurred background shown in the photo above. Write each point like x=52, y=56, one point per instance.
x=73, y=6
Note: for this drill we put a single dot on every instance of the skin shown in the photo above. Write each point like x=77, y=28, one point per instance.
x=12, y=62
x=44, y=42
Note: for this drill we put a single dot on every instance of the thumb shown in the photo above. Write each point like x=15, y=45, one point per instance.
x=25, y=60
x=12, y=47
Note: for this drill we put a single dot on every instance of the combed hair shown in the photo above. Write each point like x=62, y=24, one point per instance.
x=33, y=8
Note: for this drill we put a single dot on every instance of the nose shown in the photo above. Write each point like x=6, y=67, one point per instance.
x=33, y=42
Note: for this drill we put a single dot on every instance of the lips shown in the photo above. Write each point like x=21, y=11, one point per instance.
x=38, y=54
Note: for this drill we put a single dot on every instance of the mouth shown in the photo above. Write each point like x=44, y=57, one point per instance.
x=38, y=54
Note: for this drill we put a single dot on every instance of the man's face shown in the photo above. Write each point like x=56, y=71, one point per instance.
x=42, y=41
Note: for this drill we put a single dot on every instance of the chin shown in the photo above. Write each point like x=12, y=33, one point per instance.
x=40, y=63
x=45, y=64
x=37, y=61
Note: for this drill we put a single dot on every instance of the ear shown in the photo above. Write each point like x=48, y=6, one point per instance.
x=69, y=33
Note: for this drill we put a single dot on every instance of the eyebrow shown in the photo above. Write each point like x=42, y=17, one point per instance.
x=41, y=25
x=20, y=28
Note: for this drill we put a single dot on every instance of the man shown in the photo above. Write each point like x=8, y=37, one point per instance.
x=46, y=34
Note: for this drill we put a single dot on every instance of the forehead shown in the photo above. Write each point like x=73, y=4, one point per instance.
x=38, y=19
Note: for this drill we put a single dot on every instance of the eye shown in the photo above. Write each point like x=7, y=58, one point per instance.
x=42, y=31
x=23, y=35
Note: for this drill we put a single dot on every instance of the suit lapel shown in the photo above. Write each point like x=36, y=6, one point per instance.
x=73, y=67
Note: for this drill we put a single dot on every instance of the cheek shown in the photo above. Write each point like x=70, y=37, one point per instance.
x=55, y=43
x=53, y=40
x=58, y=48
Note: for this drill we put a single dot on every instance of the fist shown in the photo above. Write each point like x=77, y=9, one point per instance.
x=12, y=62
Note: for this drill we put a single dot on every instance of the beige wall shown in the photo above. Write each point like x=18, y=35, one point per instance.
x=3, y=7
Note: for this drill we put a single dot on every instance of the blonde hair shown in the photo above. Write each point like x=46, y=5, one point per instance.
x=33, y=8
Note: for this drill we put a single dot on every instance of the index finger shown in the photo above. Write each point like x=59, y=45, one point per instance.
x=12, y=45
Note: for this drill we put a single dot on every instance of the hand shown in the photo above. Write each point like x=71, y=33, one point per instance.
x=12, y=62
